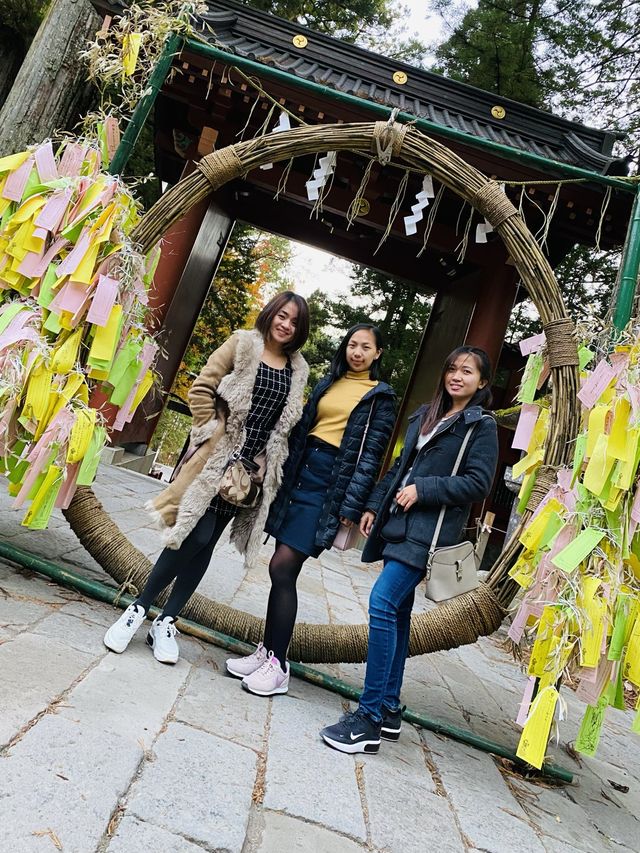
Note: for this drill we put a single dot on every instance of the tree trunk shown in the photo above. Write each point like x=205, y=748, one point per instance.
x=50, y=89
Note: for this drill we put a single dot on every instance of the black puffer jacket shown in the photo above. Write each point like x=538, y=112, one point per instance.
x=431, y=474
x=350, y=486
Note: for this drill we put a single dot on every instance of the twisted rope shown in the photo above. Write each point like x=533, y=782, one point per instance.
x=562, y=350
x=221, y=166
x=493, y=204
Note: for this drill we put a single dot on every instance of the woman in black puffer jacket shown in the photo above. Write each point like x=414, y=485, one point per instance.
x=335, y=453
x=400, y=522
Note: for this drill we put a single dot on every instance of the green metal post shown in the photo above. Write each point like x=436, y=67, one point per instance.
x=383, y=111
x=100, y=591
x=143, y=108
x=629, y=267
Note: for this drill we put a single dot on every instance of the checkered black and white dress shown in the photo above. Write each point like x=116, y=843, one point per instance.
x=270, y=392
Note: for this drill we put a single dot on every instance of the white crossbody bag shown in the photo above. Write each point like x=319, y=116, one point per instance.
x=452, y=570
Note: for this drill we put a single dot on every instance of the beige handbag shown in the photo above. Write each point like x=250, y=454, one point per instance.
x=241, y=483
x=452, y=570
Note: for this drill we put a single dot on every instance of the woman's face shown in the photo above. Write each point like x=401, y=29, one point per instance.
x=462, y=378
x=283, y=325
x=361, y=350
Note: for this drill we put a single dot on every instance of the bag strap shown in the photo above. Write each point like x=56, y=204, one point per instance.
x=364, y=434
x=443, y=509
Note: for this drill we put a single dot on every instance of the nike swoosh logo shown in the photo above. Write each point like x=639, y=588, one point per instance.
x=353, y=737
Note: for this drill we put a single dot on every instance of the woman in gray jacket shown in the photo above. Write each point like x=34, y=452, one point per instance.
x=413, y=492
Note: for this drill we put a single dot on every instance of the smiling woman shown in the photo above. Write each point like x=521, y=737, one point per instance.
x=244, y=403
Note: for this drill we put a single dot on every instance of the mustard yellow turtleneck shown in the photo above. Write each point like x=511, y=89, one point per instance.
x=337, y=403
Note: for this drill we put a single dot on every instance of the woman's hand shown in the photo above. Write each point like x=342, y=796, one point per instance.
x=366, y=522
x=346, y=521
x=407, y=497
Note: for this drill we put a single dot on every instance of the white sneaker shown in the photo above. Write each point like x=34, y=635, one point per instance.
x=162, y=639
x=269, y=679
x=240, y=667
x=121, y=632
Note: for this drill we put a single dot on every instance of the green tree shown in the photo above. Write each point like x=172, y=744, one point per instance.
x=374, y=24
x=396, y=306
x=493, y=47
x=321, y=345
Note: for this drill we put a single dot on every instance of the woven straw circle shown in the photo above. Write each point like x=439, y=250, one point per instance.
x=463, y=619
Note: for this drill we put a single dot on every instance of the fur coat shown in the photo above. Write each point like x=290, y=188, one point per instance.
x=220, y=400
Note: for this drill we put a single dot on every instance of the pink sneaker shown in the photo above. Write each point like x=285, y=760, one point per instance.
x=240, y=667
x=269, y=679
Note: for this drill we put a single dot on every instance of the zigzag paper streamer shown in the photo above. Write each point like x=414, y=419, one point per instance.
x=326, y=167
x=422, y=201
x=283, y=124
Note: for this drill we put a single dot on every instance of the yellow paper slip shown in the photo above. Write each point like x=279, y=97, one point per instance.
x=599, y=467
x=535, y=735
x=44, y=499
x=596, y=428
x=527, y=462
x=106, y=338
x=575, y=552
x=617, y=444
x=535, y=530
x=13, y=161
x=594, y=612
x=631, y=665
x=81, y=434
x=64, y=356
x=38, y=390
x=544, y=640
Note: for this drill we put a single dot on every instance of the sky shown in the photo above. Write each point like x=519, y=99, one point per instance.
x=312, y=269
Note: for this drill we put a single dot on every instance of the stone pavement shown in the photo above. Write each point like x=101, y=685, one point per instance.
x=100, y=752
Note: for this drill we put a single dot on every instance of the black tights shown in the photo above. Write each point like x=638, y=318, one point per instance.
x=282, y=608
x=187, y=565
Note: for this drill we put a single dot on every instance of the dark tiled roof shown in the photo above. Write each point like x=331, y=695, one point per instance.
x=347, y=68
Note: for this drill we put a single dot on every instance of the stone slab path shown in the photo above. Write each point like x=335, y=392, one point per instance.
x=103, y=752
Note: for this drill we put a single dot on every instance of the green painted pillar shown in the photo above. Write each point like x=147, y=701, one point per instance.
x=146, y=102
x=628, y=269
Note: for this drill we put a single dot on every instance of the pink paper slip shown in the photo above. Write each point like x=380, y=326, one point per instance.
x=526, y=423
x=523, y=713
x=102, y=302
x=71, y=263
x=69, y=298
x=532, y=344
x=596, y=383
x=17, y=181
x=72, y=160
x=46, y=163
x=53, y=212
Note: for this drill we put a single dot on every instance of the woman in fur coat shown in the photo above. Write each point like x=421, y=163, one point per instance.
x=247, y=397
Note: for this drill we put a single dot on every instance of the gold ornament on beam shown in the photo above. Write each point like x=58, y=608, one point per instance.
x=498, y=112
x=400, y=78
x=300, y=41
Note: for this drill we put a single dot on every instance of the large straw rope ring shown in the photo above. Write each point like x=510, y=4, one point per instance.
x=463, y=619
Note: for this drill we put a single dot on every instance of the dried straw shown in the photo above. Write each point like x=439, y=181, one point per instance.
x=445, y=627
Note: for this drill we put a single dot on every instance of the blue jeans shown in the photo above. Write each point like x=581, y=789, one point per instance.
x=390, y=607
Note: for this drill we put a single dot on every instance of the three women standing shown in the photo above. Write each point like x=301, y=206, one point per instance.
x=335, y=454
x=417, y=487
x=245, y=401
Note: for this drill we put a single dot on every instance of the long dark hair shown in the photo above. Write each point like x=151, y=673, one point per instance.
x=277, y=303
x=339, y=363
x=442, y=401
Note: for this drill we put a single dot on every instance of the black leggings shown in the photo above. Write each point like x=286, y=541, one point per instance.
x=282, y=608
x=187, y=565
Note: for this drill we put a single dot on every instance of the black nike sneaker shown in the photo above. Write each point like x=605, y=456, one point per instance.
x=391, y=723
x=355, y=732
